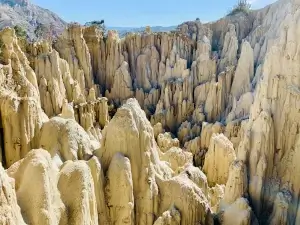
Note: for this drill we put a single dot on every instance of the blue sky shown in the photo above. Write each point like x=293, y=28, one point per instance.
x=136, y=13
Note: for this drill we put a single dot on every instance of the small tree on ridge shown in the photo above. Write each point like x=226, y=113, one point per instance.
x=99, y=24
x=243, y=6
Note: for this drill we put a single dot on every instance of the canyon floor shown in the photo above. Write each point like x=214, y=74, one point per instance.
x=196, y=126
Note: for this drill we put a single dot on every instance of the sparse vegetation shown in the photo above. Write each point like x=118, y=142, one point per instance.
x=99, y=24
x=20, y=32
x=45, y=32
x=242, y=6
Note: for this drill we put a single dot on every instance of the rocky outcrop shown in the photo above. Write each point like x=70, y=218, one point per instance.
x=121, y=208
x=280, y=209
x=217, y=99
x=238, y=213
x=51, y=76
x=199, y=145
x=236, y=186
x=218, y=159
x=92, y=115
x=99, y=187
x=189, y=199
x=136, y=141
x=10, y=212
x=177, y=158
x=39, y=198
x=257, y=149
x=165, y=141
x=170, y=217
x=21, y=112
x=76, y=186
x=230, y=48
x=66, y=140
x=244, y=72
x=20, y=12
x=73, y=48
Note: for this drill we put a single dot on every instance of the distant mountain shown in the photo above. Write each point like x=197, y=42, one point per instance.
x=124, y=30
x=28, y=16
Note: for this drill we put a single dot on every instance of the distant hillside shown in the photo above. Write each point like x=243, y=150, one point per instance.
x=28, y=16
x=123, y=30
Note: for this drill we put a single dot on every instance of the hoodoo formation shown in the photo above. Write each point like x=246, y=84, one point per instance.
x=196, y=126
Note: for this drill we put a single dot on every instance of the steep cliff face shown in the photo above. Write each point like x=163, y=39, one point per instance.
x=21, y=113
x=198, y=126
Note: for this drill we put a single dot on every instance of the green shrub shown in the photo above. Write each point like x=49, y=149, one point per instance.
x=242, y=6
x=99, y=24
x=20, y=32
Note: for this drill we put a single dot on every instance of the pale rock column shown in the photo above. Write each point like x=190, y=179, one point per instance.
x=36, y=178
x=244, y=72
x=21, y=113
x=99, y=185
x=218, y=159
x=230, y=48
x=236, y=186
x=280, y=209
x=77, y=191
x=10, y=212
x=120, y=203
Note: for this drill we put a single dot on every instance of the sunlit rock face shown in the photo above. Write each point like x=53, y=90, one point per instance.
x=197, y=126
x=26, y=15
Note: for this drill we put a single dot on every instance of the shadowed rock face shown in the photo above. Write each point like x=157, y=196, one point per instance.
x=197, y=126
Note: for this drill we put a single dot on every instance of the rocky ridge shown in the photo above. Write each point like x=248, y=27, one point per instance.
x=198, y=126
x=28, y=16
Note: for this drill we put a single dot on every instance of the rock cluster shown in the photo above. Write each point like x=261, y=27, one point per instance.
x=198, y=126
